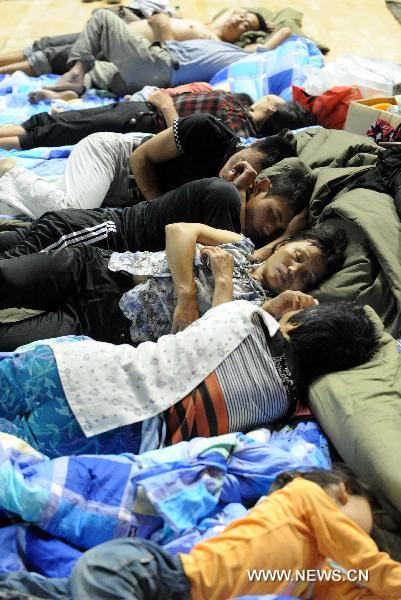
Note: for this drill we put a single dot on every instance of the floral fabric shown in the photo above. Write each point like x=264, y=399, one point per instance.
x=34, y=408
x=150, y=305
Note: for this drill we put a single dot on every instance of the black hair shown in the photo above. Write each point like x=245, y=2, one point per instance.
x=290, y=115
x=340, y=473
x=331, y=243
x=276, y=147
x=262, y=23
x=295, y=185
x=332, y=336
x=244, y=98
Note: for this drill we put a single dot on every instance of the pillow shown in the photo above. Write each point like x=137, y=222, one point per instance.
x=360, y=411
x=361, y=278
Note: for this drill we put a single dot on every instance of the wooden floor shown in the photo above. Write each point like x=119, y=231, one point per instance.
x=364, y=27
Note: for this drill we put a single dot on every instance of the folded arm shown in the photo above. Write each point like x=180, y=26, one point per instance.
x=181, y=239
x=143, y=161
x=165, y=103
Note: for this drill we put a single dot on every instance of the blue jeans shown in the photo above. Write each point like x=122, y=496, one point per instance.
x=117, y=570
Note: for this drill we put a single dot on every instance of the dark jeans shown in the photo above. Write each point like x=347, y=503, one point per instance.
x=54, y=50
x=118, y=570
x=212, y=201
x=75, y=289
x=55, y=40
x=72, y=126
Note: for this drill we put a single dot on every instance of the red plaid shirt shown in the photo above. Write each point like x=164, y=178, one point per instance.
x=226, y=107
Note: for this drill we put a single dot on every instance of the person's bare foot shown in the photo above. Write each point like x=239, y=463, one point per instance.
x=46, y=94
x=6, y=164
x=72, y=80
x=55, y=110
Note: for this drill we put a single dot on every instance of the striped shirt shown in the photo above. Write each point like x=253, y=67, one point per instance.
x=245, y=391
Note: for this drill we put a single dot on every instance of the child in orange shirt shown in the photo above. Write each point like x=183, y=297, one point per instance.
x=313, y=519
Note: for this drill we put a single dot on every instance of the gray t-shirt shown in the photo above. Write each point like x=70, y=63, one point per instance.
x=200, y=60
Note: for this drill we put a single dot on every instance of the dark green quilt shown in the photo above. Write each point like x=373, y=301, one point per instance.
x=360, y=410
x=371, y=273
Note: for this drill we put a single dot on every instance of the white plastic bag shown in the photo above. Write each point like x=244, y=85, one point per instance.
x=374, y=77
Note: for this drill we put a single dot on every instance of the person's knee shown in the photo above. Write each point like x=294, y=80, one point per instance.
x=121, y=566
x=95, y=145
x=103, y=15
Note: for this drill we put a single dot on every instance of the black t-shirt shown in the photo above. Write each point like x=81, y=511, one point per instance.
x=206, y=144
x=213, y=201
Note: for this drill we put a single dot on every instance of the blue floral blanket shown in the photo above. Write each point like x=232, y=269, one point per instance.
x=52, y=510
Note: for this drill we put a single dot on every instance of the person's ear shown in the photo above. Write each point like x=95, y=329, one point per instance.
x=261, y=186
x=290, y=327
x=342, y=493
x=270, y=105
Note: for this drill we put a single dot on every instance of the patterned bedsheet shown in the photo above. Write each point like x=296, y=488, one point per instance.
x=174, y=496
x=271, y=72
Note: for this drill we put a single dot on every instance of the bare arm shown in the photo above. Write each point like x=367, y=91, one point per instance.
x=180, y=249
x=165, y=103
x=266, y=251
x=274, y=40
x=288, y=300
x=160, y=148
x=243, y=176
x=277, y=38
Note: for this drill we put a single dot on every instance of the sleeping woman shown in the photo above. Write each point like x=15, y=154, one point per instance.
x=134, y=297
x=183, y=282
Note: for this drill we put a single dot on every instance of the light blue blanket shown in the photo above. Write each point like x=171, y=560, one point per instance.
x=271, y=72
x=174, y=496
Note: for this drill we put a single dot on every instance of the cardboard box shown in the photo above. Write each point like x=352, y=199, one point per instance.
x=361, y=115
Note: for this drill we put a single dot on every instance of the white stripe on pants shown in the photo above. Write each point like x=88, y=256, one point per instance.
x=96, y=167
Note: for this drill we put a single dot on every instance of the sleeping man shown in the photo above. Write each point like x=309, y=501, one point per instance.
x=260, y=211
x=235, y=369
x=50, y=54
x=101, y=168
x=134, y=61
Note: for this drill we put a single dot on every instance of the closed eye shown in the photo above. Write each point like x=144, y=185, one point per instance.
x=277, y=219
x=299, y=257
x=308, y=279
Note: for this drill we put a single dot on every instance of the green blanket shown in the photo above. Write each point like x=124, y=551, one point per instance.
x=360, y=410
x=372, y=272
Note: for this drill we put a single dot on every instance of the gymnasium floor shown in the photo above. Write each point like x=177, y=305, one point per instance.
x=364, y=27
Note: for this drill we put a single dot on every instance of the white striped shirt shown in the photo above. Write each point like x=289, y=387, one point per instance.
x=253, y=390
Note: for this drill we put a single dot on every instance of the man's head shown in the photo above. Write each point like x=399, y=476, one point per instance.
x=273, y=202
x=232, y=23
x=271, y=114
x=330, y=337
x=263, y=153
